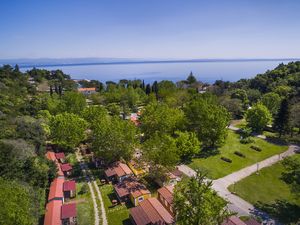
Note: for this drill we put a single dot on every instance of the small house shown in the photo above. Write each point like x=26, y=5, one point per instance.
x=117, y=172
x=233, y=220
x=131, y=189
x=69, y=214
x=69, y=189
x=60, y=157
x=56, y=190
x=150, y=212
x=66, y=168
x=165, y=196
x=53, y=213
x=170, y=178
x=87, y=91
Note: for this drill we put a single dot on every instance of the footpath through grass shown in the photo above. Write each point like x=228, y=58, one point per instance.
x=116, y=215
x=217, y=168
x=266, y=186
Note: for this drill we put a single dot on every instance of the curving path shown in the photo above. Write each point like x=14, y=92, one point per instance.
x=236, y=203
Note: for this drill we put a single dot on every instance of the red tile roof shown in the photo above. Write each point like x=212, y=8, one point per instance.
x=53, y=213
x=66, y=167
x=151, y=210
x=252, y=222
x=139, y=216
x=60, y=155
x=131, y=186
x=69, y=185
x=86, y=89
x=167, y=193
x=233, y=220
x=50, y=156
x=56, y=188
x=68, y=211
x=119, y=169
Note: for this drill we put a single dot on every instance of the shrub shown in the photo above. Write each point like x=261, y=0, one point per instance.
x=239, y=154
x=84, y=189
x=226, y=159
x=247, y=140
x=256, y=148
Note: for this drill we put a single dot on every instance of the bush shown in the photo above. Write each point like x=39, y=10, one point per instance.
x=247, y=140
x=256, y=148
x=239, y=154
x=226, y=159
x=84, y=189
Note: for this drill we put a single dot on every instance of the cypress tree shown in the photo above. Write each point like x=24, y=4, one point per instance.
x=281, y=122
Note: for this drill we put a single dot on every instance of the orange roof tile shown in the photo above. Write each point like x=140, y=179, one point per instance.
x=50, y=156
x=56, y=189
x=53, y=213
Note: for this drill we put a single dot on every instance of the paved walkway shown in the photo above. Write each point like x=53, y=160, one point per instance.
x=236, y=203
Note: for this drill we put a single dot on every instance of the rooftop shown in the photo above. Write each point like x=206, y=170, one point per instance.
x=56, y=188
x=50, y=156
x=53, y=213
x=118, y=168
x=68, y=211
x=233, y=220
x=66, y=167
x=167, y=193
x=60, y=155
x=131, y=186
x=151, y=210
x=86, y=89
x=69, y=185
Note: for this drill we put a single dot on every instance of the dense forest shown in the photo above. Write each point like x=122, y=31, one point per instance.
x=178, y=120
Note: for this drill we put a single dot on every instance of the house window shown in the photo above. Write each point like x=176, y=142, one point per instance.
x=140, y=199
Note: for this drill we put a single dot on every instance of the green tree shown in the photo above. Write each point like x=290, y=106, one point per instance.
x=196, y=203
x=161, y=151
x=191, y=79
x=258, y=117
x=93, y=113
x=272, y=101
x=282, y=119
x=74, y=102
x=291, y=175
x=187, y=144
x=114, y=139
x=19, y=204
x=208, y=120
x=159, y=118
x=294, y=116
x=67, y=130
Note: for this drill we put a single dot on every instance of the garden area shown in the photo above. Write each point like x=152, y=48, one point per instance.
x=240, y=155
x=118, y=214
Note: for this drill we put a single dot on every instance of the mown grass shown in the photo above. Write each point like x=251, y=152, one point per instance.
x=266, y=186
x=85, y=210
x=116, y=215
x=216, y=168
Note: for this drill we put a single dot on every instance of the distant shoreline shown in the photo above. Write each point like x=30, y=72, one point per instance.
x=40, y=65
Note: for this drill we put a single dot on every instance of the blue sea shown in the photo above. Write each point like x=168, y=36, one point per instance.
x=205, y=71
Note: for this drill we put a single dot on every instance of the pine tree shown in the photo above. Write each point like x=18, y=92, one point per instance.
x=281, y=122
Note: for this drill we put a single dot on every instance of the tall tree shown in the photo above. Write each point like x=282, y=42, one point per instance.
x=258, y=117
x=191, y=79
x=187, y=144
x=114, y=139
x=282, y=120
x=196, y=203
x=67, y=130
x=207, y=119
x=272, y=101
x=158, y=117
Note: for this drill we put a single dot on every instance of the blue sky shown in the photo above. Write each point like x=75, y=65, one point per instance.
x=150, y=28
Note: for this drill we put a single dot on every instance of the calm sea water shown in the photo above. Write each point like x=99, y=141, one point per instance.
x=204, y=71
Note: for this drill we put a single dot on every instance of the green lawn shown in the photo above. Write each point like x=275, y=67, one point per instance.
x=117, y=215
x=217, y=168
x=265, y=187
x=85, y=210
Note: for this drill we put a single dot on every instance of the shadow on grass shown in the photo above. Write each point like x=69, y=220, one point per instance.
x=127, y=222
x=208, y=152
x=284, y=211
x=276, y=140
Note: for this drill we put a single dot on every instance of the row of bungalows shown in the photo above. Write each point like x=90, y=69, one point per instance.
x=58, y=213
x=154, y=211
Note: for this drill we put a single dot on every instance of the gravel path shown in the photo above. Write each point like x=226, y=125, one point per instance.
x=104, y=218
x=83, y=167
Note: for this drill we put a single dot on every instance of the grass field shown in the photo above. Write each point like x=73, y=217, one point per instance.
x=116, y=215
x=85, y=211
x=265, y=187
x=217, y=168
